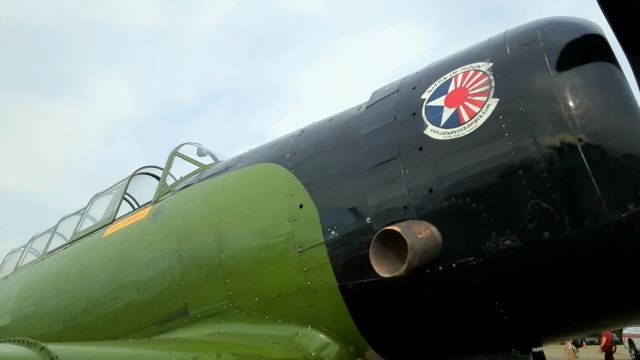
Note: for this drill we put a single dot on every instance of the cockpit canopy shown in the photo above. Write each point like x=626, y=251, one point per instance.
x=146, y=185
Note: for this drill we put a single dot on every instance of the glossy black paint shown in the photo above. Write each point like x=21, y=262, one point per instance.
x=544, y=194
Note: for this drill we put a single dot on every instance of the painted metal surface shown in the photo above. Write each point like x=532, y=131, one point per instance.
x=545, y=189
x=229, y=336
x=229, y=245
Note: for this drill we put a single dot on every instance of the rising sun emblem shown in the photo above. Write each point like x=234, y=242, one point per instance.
x=459, y=102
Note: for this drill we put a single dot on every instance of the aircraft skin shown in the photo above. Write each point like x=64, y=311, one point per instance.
x=266, y=255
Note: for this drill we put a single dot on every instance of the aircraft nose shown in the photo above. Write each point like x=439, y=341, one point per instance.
x=585, y=122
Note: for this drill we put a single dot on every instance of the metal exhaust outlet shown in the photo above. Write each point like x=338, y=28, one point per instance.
x=400, y=248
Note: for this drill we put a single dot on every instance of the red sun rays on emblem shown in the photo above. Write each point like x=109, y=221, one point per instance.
x=468, y=93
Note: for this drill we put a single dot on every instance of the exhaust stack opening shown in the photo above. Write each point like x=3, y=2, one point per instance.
x=398, y=249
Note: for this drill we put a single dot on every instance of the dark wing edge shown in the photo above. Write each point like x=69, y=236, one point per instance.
x=621, y=16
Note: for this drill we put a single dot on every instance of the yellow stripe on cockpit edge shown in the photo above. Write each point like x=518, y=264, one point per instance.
x=129, y=220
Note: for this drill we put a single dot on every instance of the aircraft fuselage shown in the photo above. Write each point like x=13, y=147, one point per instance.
x=534, y=187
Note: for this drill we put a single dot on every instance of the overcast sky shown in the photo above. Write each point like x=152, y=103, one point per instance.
x=92, y=90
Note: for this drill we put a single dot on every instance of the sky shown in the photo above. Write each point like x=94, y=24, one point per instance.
x=92, y=90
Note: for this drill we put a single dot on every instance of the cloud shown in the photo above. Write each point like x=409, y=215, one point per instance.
x=213, y=11
x=199, y=15
x=313, y=6
x=122, y=12
x=59, y=136
x=350, y=70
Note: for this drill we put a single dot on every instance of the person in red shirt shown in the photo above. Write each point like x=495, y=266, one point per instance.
x=606, y=345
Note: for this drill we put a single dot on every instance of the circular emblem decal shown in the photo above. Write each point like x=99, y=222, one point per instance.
x=459, y=102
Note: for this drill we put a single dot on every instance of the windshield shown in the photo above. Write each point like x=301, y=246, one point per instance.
x=144, y=186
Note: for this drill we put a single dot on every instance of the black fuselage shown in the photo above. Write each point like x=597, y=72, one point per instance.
x=538, y=207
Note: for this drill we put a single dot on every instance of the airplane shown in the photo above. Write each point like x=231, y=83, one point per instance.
x=441, y=218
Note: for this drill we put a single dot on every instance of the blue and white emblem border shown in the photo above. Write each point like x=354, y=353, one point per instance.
x=474, y=123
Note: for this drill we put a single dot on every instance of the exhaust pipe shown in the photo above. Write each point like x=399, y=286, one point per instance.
x=400, y=248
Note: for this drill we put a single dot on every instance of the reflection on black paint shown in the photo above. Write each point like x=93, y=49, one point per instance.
x=584, y=50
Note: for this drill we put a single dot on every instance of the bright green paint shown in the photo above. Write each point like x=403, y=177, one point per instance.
x=15, y=352
x=232, y=255
x=221, y=338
